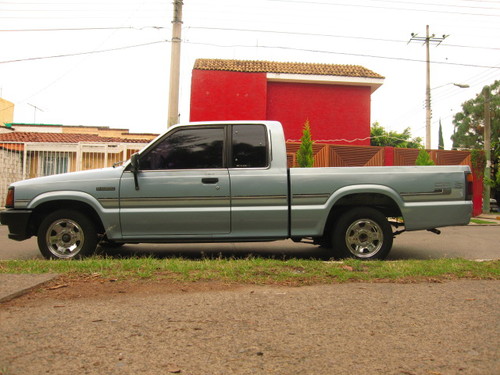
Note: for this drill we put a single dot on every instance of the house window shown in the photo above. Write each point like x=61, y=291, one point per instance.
x=54, y=163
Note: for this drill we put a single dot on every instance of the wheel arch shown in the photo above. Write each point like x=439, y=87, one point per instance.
x=49, y=206
x=382, y=198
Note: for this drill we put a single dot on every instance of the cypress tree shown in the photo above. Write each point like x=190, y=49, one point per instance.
x=441, y=141
x=424, y=158
x=305, y=157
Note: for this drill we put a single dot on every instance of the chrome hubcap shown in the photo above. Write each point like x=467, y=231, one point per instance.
x=364, y=238
x=65, y=238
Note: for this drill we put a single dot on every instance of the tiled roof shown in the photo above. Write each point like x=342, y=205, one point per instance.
x=285, y=68
x=62, y=138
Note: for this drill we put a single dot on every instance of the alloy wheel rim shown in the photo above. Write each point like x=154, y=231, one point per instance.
x=364, y=238
x=65, y=238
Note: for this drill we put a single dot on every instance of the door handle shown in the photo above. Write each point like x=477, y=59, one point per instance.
x=209, y=180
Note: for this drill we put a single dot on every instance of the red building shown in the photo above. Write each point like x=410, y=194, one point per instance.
x=334, y=98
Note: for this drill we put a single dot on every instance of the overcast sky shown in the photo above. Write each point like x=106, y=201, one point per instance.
x=105, y=84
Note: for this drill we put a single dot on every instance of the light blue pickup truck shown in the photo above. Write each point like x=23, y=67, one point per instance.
x=229, y=182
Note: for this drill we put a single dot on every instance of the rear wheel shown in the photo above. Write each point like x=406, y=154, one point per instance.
x=362, y=233
x=66, y=234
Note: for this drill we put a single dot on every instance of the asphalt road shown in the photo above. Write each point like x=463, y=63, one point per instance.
x=469, y=242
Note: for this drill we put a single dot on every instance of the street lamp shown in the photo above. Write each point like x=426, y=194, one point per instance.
x=461, y=85
x=428, y=111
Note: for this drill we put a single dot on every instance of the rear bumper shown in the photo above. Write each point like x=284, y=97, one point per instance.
x=427, y=215
x=18, y=223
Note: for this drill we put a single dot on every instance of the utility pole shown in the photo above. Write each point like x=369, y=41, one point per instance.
x=428, y=39
x=487, y=150
x=175, y=62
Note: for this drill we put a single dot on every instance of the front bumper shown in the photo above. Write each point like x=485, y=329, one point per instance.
x=18, y=223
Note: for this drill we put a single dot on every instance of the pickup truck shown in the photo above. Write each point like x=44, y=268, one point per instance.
x=230, y=182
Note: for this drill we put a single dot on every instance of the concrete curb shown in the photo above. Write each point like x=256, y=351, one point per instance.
x=493, y=219
x=15, y=285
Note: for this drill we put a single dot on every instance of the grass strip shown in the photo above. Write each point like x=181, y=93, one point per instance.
x=480, y=221
x=255, y=270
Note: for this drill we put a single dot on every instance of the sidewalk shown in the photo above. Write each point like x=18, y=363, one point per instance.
x=15, y=285
x=493, y=219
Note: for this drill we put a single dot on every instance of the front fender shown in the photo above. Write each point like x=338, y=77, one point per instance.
x=108, y=216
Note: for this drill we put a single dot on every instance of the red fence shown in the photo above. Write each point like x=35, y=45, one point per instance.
x=329, y=155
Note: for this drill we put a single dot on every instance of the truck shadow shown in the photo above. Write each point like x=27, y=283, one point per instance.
x=178, y=251
x=282, y=250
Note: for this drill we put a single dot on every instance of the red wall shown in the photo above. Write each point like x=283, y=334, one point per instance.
x=334, y=112
x=478, y=187
x=221, y=95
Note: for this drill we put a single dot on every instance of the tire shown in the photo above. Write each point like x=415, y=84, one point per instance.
x=362, y=233
x=66, y=234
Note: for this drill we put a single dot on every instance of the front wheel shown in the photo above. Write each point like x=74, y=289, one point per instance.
x=66, y=234
x=362, y=233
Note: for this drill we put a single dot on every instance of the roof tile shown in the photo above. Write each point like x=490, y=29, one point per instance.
x=62, y=138
x=249, y=66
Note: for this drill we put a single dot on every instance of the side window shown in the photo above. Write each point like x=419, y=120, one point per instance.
x=249, y=146
x=197, y=148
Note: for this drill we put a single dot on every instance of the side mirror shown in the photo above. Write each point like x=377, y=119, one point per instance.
x=134, y=162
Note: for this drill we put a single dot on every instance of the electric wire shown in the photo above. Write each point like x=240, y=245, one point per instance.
x=86, y=29
x=329, y=35
x=343, y=53
x=83, y=53
x=387, y=8
x=251, y=46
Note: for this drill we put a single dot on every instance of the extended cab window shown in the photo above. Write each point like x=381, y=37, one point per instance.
x=249, y=146
x=196, y=148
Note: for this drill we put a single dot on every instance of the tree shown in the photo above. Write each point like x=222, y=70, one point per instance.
x=305, y=156
x=469, y=123
x=381, y=137
x=441, y=140
x=469, y=126
x=424, y=158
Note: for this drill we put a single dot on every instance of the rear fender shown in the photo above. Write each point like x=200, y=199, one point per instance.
x=334, y=200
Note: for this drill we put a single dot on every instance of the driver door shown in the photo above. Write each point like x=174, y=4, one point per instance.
x=183, y=187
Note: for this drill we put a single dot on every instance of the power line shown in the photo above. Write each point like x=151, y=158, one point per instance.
x=441, y=5
x=82, y=53
x=86, y=28
x=343, y=53
x=250, y=46
x=72, y=3
x=236, y=29
x=386, y=7
x=294, y=33
x=326, y=35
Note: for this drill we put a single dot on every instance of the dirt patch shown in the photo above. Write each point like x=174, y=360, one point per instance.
x=64, y=288
x=96, y=287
